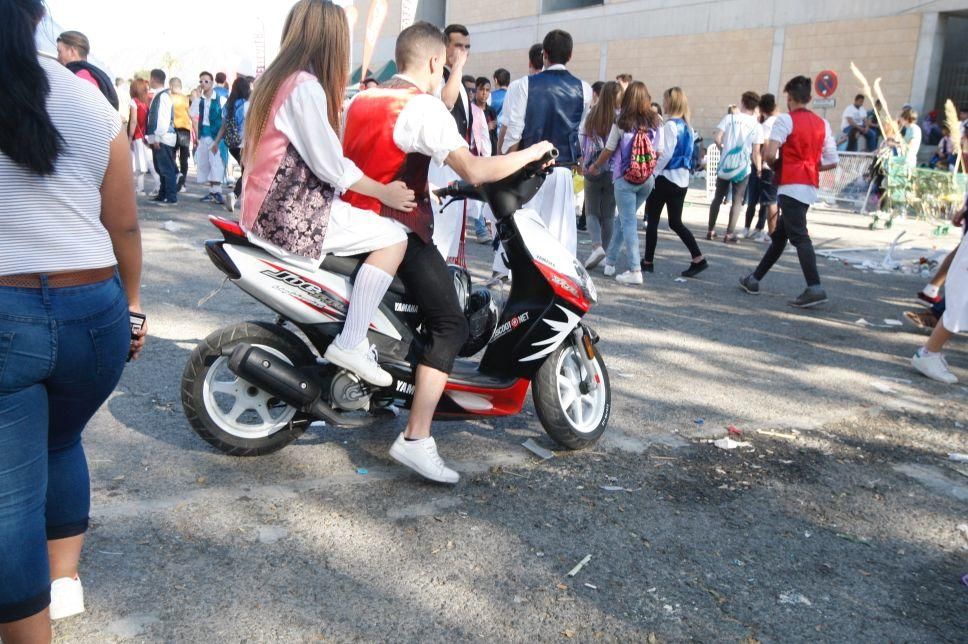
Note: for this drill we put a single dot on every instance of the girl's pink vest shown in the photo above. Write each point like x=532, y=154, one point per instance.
x=283, y=202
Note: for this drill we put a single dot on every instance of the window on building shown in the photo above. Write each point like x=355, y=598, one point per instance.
x=548, y=6
x=432, y=11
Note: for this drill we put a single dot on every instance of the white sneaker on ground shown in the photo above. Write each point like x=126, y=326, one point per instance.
x=765, y=238
x=934, y=366
x=595, y=258
x=421, y=456
x=630, y=277
x=230, y=202
x=609, y=269
x=745, y=234
x=66, y=597
x=361, y=360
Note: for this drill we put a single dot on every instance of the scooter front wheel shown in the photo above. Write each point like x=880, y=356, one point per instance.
x=573, y=414
x=228, y=412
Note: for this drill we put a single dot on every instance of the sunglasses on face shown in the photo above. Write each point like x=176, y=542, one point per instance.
x=206, y=82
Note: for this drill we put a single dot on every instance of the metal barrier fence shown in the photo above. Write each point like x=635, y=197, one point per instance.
x=844, y=185
x=847, y=184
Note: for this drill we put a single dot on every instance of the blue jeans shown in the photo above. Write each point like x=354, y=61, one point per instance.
x=629, y=197
x=164, y=158
x=62, y=352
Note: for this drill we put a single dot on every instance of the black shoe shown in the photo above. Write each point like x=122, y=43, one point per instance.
x=695, y=269
x=582, y=223
x=750, y=284
x=158, y=198
x=647, y=268
x=813, y=296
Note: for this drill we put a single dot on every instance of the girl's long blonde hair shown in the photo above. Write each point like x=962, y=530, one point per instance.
x=676, y=103
x=315, y=39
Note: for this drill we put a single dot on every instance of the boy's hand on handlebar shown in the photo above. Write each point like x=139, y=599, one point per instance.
x=539, y=150
x=398, y=196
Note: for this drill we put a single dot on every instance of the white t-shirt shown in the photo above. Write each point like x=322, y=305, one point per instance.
x=53, y=223
x=913, y=138
x=782, y=128
x=740, y=129
x=858, y=114
x=767, y=127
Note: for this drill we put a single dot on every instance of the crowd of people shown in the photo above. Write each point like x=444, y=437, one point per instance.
x=321, y=175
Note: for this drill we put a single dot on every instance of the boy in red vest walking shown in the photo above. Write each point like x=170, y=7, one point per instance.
x=393, y=132
x=806, y=147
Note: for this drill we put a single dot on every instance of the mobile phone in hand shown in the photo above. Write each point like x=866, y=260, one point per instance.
x=137, y=323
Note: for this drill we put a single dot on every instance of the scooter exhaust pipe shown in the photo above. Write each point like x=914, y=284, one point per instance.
x=284, y=381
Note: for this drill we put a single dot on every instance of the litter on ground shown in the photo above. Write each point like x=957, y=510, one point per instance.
x=581, y=564
x=537, y=450
x=729, y=443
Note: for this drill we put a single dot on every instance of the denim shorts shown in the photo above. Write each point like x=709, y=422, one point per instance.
x=62, y=352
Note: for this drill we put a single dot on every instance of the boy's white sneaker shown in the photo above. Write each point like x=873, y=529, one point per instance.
x=361, y=360
x=421, y=456
x=609, y=269
x=66, y=597
x=934, y=366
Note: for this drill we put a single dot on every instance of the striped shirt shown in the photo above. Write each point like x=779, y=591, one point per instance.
x=53, y=224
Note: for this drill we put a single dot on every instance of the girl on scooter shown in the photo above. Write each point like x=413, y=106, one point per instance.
x=296, y=173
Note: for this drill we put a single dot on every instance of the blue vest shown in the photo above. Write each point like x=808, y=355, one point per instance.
x=682, y=155
x=556, y=102
x=214, y=116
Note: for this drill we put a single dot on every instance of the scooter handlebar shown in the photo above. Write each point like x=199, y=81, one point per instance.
x=464, y=190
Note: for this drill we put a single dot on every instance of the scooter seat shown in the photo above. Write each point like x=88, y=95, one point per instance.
x=349, y=265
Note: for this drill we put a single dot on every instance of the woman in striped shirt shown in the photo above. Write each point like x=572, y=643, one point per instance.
x=70, y=270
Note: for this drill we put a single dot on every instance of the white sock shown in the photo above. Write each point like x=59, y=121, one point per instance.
x=368, y=291
x=931, y=290
x=924, y=353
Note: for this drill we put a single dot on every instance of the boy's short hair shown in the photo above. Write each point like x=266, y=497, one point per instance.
x=750, y=100
x=798, y=88
x=767, y=104
x=415, y=41
x=455, y=29
x=467, y=78
x=481, y=82
x=502, y=77
x=536, y=55
x=624, y=78
x=209, y=74
x=158, y=75
x=860, y=97
x=220, y=78
x=558, y=45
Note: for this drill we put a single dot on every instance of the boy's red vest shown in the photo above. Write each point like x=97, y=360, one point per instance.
x=801, y=152
x=368, y=142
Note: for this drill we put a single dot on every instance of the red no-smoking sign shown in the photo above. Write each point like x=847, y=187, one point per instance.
x=826, y=83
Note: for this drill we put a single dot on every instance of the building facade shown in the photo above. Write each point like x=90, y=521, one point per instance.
x=717, y=49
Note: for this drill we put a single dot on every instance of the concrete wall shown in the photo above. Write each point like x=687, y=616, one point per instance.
x=881, y=48
x=714, y=50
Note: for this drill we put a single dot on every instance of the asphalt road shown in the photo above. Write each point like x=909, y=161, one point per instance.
x=837, y=523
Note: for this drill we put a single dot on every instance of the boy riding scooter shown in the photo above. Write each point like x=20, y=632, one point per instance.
x=393, y=132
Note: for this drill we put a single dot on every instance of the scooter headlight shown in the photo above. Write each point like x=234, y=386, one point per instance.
x=585, y=282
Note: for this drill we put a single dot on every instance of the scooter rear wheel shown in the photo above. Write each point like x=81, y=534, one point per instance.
x=230, y=413
x=573, y=418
